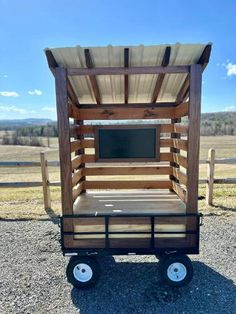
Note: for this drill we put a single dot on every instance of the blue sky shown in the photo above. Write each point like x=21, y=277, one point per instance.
x=27, y=27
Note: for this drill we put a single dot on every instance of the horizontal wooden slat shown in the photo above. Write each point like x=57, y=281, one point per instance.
x=77, y=190
x=121, y=114
x=127, y=184
x=229, y=161
x=76, y=130
x=19, y=184
x=165, y=128
x=177, y=143
x=180, y=128
x=91, y=158
x=225, y=181
x=88, y=143
x=76, y=161
x=181, y=110
x=19, y=164
x=180, y=144
x=90, y=129
x=180, y=160
x=179, y=191
x=75, y=145
x=131, y=70
x=180, y=176
x=127, y=171
x=76, y=177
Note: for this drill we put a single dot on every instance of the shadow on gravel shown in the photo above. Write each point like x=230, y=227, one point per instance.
x=136, y=288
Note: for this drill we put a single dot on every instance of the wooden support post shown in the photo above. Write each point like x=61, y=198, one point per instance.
x=210, y=176
x=64, y=140
x=45, y=181
x=194, y=138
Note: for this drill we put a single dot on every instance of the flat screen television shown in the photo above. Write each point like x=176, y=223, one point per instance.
x=127, y=143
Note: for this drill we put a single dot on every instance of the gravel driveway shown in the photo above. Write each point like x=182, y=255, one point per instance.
x=32, y=275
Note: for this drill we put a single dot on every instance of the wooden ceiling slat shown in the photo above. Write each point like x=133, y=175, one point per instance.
x=126, y=81
x=93, y=80
x=160, y=78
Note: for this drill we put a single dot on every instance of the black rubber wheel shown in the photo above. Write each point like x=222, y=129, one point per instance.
x=176, y=270
x=83, y=272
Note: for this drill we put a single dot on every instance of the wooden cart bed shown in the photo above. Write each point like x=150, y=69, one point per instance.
x=129, y=202
x=137, y=202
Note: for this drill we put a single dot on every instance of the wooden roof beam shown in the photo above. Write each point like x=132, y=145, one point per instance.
x=93, y=81
x=126, y=81
x=53, y=65
x=160, y=78
x=171, y=69
x=203, y=61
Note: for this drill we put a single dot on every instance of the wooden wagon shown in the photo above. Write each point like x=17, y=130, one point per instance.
x=129, y=120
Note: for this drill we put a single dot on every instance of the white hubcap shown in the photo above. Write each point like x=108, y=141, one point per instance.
x=82, y=272
x=176, y=272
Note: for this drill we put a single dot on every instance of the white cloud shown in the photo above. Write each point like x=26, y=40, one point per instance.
x=231, y=69
x=12, y=108
x=230, y=108
x=5, y=75
x=49, y=109
x=9, y=94
x=36, y=92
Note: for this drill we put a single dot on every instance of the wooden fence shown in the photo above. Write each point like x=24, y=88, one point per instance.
x=46, y=183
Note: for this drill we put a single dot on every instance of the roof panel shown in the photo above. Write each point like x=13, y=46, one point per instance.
x=140, y=86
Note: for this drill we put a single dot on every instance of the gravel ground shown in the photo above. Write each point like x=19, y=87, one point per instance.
x=32, y=275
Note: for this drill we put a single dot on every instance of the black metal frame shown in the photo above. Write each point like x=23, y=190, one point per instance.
x=123, y=251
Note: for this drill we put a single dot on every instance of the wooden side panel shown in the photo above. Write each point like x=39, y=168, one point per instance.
x=194, y=138
x=64, y=139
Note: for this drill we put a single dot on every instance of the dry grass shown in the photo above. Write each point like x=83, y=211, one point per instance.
x=28, y=202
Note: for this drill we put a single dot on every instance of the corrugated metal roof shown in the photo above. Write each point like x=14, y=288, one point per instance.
x=111, y=87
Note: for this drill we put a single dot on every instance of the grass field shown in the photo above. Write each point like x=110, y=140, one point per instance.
x=28, y=202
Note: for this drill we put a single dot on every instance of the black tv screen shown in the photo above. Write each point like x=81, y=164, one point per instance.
x=127, y=143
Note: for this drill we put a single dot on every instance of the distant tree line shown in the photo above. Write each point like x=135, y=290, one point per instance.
x=11, y=138
x=49, y=130
x=30, y=135
x=220, y=123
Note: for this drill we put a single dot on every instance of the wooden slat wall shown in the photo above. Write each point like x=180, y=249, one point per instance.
x=80, y=143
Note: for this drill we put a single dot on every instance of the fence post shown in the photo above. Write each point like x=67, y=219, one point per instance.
x=45, y=181
x=210, y=176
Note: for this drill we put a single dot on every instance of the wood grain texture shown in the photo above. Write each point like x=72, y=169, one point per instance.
x=194, y=138
x=90, y=129
x=180, y=176
x=91, y=158
x=45, y=181
x=127, y=171
x=160, y=78
x=179, y=191
x=182, y=110
x=181, y=144
x=64, y=139
x=75, y=145
x=131, y=70
x=127, y=184
x=180, y=160
x=93, y=80
x=76, y=161
x=124, y=114
x=76, y=176
x=128, y=202
x=126, y=78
